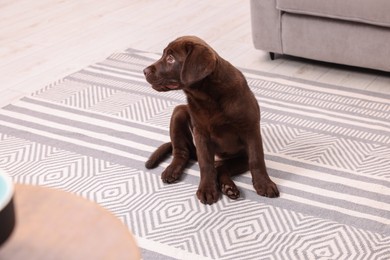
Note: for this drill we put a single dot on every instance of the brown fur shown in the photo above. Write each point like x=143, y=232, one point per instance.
x=221, y=119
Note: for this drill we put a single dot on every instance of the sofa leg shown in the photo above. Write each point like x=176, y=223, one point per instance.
x=272, y=55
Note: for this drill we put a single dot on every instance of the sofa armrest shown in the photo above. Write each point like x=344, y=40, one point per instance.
x=266, y=25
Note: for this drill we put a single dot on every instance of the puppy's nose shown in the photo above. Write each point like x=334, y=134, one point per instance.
x=147, y=71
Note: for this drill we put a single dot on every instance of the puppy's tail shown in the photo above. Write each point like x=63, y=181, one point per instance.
x=159, y=155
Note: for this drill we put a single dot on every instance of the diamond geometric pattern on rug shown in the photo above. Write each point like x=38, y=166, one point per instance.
x=148, y=108
x=325, y=149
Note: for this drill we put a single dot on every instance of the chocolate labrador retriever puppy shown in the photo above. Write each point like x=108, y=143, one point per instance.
x=220, y=125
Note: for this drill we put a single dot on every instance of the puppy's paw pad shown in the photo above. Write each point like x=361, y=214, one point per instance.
x=231, y=191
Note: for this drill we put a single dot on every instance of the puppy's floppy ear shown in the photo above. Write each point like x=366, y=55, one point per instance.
x=199, y=63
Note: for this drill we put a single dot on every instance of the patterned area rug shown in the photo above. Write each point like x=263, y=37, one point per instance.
x=327, y=148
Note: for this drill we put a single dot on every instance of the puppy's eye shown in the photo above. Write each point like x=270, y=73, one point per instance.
x=170, y=59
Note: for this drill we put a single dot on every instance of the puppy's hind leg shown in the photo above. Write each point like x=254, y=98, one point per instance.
x=183, y=148
x=228, y=168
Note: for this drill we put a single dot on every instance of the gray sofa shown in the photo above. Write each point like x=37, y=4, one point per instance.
x=350, y=32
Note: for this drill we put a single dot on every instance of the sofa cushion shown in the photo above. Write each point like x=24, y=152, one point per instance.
x=366, y=11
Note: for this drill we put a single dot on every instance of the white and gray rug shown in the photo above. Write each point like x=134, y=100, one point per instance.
x=327, y=148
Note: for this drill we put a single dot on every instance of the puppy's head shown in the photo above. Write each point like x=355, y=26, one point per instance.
x=185, y=61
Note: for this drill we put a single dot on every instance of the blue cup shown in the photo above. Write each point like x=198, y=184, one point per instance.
x=7, y=210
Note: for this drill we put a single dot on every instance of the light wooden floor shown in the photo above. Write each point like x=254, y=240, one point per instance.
x=44, y=40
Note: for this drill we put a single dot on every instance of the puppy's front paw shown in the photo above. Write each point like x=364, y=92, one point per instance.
x=172, y=173
x=208, y=194
x=266, y=188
